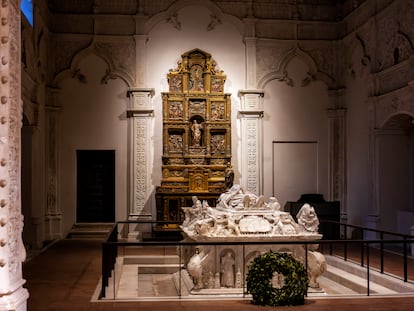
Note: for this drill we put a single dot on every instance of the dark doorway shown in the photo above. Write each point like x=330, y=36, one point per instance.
x=95, y=186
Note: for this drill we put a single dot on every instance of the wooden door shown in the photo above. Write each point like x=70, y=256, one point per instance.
x=95, y=186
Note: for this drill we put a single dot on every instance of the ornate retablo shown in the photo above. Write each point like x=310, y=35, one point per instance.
x=196, y=135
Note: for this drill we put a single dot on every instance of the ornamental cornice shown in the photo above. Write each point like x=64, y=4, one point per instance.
x=251, y=114
x=140, y=102
x=251, y=102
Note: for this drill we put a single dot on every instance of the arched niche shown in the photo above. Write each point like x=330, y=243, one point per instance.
x=112, y=71
x=394, y=172
x=282, y=73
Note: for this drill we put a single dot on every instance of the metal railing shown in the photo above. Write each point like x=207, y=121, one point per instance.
x=119, y=238
x=382, y=240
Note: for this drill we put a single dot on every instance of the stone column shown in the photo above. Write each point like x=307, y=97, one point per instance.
x=37, y=191
x=251, y=62
x=53, y=215
x=337, y=150
x=140, y=59
x=372, y=220
x=250, y=47
x=140, y=123
x=251, y=123
x=12, y=253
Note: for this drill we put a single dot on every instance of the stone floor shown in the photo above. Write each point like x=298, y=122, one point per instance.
x=65, y=277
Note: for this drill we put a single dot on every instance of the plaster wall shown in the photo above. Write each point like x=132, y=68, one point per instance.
x=93, y=114
x=295, y=114
x=92, y=117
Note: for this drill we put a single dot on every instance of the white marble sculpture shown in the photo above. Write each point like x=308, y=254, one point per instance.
x=240, y=214
x=243, y=216
x=195, y=268
x=307, y=219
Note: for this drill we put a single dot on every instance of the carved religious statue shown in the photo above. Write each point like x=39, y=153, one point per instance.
x=196, y=129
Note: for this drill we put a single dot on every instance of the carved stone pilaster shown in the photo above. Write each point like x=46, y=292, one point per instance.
x=12, y=252
x=53, y=215
x=251, y=122
x=337, y=149
x=140, y=117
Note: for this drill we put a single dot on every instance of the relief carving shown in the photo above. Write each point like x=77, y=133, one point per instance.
x=176, y=110
x=218, y=145
x=197, y=107
x=252, y=148
x=217, y=111
x=217, y=84
x=176, y=83
x=175, y=143
x=140, y=190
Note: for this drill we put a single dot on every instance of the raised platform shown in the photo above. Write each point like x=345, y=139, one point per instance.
x=142, y=278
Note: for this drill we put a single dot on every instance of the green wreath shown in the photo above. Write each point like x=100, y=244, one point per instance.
x=260, y=275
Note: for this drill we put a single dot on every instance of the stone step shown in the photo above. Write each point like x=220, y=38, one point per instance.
x=90, y=230
x=150, y=260
x=158, y=268
x=355, y=283
x=330, y=287
x=354, y=276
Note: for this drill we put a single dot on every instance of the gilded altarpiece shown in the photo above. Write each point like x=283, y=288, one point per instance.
x=196, y=136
